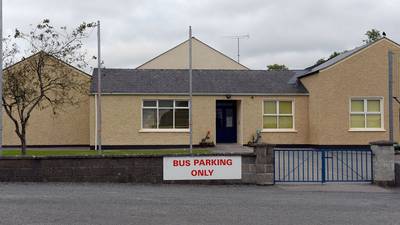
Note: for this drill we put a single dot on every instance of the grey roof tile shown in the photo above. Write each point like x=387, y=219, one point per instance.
x=160, y=81
x=334, y=60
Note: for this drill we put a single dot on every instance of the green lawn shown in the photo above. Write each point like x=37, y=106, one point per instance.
x=66, y=152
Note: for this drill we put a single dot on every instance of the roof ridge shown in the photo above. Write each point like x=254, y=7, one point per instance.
x=342, y=56
x=182, y=43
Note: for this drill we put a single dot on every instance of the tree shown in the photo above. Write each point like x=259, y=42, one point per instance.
x=42, y=80
x=372, y=35
x=277, y=67
x=320, y=61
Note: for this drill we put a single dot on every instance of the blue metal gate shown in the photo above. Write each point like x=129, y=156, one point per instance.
x=323, y=165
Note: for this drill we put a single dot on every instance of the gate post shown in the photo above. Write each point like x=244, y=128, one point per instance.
x=323, y=166
x=264, y=164
x=383, y=163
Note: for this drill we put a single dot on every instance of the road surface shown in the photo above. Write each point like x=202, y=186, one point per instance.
x=63, y=203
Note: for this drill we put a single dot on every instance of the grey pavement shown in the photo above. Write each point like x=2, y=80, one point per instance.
x=64, y=203
x=230, y=148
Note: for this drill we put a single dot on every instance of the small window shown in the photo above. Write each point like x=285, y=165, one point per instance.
x=166, y=117
x=181, y=118
x=366, y=114
x=150, y=103
x=165, y=103
x=278, y=115
x=165, y=114
x=181, y=104
x=150, y=118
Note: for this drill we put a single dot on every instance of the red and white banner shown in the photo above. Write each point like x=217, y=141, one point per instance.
x=202, y=168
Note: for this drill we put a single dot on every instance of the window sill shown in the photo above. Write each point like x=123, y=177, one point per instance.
x=367, y=130
x=164, y=131
x=279, y=131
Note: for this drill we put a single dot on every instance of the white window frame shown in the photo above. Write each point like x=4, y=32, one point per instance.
x=293, y=129
x=365, y=113
x=157, y=107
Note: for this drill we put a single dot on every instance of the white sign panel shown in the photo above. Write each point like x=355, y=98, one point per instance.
x=202, y=168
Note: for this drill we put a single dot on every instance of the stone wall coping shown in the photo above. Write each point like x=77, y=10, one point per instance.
x=121, y=156
x=382, y=143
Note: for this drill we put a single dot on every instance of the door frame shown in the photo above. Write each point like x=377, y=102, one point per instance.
x=237, y=119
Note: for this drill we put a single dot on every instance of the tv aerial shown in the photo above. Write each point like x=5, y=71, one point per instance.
x=238, y=38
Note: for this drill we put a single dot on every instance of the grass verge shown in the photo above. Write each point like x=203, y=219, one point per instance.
x=63, y=152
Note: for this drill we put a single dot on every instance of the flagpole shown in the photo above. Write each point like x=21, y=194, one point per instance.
x=190, y=92
x=1, y=76
x=99, y=149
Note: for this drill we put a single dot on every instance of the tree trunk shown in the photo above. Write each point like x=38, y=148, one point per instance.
x=23, y=141
x=23, y=147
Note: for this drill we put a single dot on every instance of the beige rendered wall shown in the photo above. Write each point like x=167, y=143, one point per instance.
x=363, y=74
x=121, y=118
x=253, y=119
x=69, y=127
x=204, y=57
x=121, y=121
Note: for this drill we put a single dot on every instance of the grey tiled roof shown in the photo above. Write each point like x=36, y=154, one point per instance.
x=297, y=74
x=330, y=62
x=160, y=81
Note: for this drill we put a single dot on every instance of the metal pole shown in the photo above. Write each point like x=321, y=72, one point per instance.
x=238, y=40
x=98, y=89
x=95, y=122
x=390, y=101
x=190, y=92
x=1, y=76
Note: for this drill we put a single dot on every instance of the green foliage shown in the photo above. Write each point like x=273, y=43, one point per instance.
x=277, y=67
x=319, y=61
x=372, y=35
x=333, y=55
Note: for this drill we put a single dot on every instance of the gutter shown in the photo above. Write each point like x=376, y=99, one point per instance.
x=208, y=94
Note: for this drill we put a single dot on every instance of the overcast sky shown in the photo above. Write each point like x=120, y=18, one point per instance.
x=295, y=33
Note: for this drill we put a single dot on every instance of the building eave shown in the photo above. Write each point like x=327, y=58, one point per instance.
x=205, y=94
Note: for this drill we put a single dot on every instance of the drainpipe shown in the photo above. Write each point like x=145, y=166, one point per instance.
x=390, y=87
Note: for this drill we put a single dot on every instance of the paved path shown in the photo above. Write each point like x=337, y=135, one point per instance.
x=28, y=203
x=230, y=148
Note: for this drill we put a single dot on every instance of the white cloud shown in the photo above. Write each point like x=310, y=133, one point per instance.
x=295, y=33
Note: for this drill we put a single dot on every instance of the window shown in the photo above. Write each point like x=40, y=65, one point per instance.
x=366, y=114
x=165, y=114
x=278, y=115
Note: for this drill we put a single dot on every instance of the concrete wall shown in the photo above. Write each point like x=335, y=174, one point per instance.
x=383, y=163
x=121, y=118
x=204, y=57
x=69, y=127
x=133, y=169
x=363, y=74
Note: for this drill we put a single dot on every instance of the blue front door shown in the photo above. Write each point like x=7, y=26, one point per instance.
x=226, y=122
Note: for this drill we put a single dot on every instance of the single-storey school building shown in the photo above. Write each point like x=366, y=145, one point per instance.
x=351, y=99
